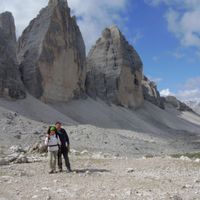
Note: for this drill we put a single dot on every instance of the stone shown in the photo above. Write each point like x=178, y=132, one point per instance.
x=51, y=54
x=114, y=70
x=16, y=149
x=38, y=147
x=130, y=170
x=10, y=80
x=21, y=159
x=181, y=106
x=151, y=93
x=185, y=158
x=3, y=162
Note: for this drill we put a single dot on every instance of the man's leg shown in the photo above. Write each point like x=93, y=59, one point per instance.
x=66, y=157
x=59, y=160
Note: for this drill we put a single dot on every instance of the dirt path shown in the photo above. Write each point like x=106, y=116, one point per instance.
x=153, y=178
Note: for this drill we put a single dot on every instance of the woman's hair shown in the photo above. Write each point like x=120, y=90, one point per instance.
x=48, y=131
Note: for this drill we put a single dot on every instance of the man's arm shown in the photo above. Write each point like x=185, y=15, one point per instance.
x=66, y=137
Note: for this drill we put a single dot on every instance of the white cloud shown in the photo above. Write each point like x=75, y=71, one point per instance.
x=183, y=20
x=23, y=11
x=155, y=58
x=189, y=92
x=189, y=95
x=137, y=37
x=94, y=15
x=166, y=92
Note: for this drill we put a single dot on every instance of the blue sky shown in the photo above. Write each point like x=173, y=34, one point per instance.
x=165, y=33
x=167, y=60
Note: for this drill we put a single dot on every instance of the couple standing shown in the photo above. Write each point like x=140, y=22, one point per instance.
x=58, y=144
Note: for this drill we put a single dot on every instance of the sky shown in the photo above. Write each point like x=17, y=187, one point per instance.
x=165, y=33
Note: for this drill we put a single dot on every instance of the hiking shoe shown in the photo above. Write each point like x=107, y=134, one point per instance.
x=60, y=170
x=51, y=172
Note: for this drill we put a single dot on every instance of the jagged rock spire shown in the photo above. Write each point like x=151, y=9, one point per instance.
x=10, y=81
x=55, y=2
x=115, y=70
x=51, y=53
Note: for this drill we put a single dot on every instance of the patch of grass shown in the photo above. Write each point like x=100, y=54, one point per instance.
x=3, y=174
x=193, y=155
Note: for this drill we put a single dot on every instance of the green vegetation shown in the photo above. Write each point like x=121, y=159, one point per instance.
x=193, y=155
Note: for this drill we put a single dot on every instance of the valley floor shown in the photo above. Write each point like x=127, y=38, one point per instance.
x=97, y=177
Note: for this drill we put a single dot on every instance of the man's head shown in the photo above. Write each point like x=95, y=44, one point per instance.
x=58, y=125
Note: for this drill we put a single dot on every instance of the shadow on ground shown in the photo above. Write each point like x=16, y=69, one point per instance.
x=82, y=171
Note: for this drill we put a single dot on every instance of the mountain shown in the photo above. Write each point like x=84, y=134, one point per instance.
x=10, y=80
x=121, y=112
x=151, y=93
x=114, y=70
x=51, y=55
x=195, y=105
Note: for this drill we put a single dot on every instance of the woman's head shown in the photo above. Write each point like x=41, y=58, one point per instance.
x=52, y=130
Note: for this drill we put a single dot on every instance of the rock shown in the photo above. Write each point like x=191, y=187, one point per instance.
x=42, y=148
x=34, y=196
x=48, y=198
x=173, y=101
x=51, y=54
x=10, y=80
x=12, y=157
x=151, y=93
x=16, y=149
x=84, y=152
x=21, y=159
x=3, y=162
x=197, y=160
x=38, y=147
x=130, y=170
x=114, y=70
x=75, y=152
x=175, y=197
x=185, y=158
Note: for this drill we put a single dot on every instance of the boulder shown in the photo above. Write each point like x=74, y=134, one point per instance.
x=151, y=93
x=10, y=79
x=114, y=70
x=173, y=101
x=51, y=54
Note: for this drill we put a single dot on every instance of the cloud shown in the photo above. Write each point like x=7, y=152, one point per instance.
x=23, y=11
x=155, y=58
x=189, y=95
x=182, y=18
x=94, y=15
x=137, y=37
x=166, y=92
x=189, y=92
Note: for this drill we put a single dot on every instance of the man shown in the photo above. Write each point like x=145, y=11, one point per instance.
x=64, y=148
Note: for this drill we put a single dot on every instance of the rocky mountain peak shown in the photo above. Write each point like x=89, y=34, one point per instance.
x=55, y=2
x=114, y=70
x=7, y=24
x=10, y=81
x=51, y=53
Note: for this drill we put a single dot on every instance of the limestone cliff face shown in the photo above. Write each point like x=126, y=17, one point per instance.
x=10, y=81
x=114, y=70
x=51, y=53
x=151, y=93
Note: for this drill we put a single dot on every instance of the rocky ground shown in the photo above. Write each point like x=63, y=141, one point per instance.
x=103, y=176
x=119, y=172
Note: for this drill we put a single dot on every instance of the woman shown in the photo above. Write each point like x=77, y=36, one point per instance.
x=53, y=143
